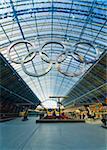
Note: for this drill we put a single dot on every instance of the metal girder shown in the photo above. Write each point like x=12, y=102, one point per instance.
x=86, y=94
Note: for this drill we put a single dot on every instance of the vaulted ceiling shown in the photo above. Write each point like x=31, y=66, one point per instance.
x=64, y=21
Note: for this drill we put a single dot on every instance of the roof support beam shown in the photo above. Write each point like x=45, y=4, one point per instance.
x=105, y=84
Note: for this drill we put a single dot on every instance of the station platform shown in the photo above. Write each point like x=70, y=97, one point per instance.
x=59, y=121
x=27, y=135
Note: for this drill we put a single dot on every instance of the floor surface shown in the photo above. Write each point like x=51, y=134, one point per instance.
x=19, y=135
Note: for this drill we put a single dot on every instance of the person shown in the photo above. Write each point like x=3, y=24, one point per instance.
x=63, y=114
x=54, y=114
x=25, y=116
x=103, y=120
x=83, y=116
x=42, y=115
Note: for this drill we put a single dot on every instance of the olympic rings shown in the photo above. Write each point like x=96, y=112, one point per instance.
x=61, y=57
x=14, y=44
x=71, y=74
x=82, y=59
x=53, y=42
x=34, y=74
x=53, y=61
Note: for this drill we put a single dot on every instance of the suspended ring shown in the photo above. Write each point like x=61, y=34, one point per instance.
x=53, y=42
x=81, y=59
x=35, y=74
x=71, y=74
x=14, y=44
x=53, y=61
x=46, y=60
x=61, y=57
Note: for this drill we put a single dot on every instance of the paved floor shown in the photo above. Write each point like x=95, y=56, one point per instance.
x=19, y=135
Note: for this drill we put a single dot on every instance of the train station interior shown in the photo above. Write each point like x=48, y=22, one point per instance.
x=53, y=74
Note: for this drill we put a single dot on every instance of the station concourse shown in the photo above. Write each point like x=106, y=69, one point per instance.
x=53, y=75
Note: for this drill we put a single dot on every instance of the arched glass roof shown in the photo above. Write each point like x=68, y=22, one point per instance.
x=63, y=21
